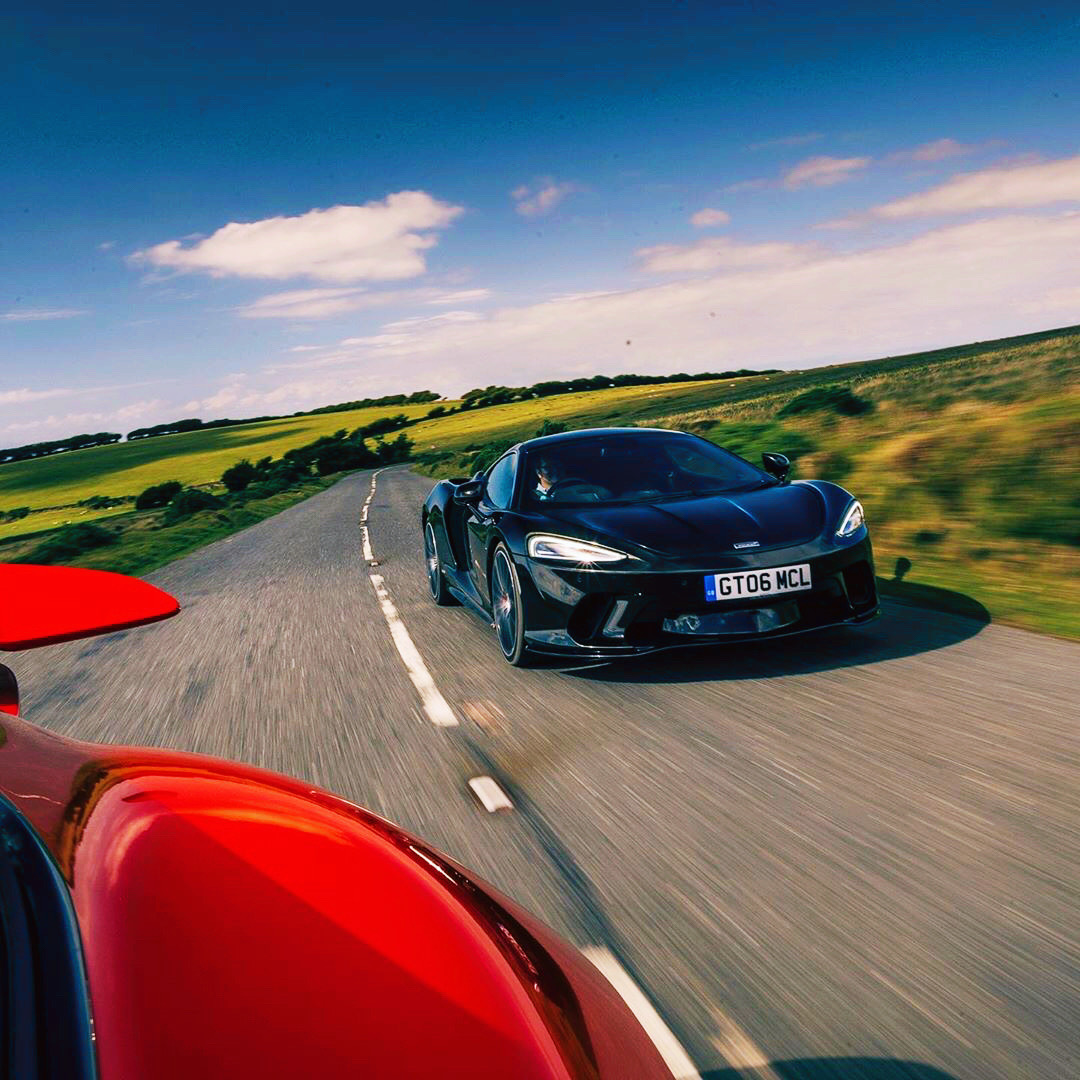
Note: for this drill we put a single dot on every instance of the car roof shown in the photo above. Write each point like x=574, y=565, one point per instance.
x=570, y=436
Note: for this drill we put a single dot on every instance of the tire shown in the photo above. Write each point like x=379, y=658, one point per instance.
x=507, y=611
x=440, y=591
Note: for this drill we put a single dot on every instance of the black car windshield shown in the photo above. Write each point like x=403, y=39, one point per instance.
x=633, y=467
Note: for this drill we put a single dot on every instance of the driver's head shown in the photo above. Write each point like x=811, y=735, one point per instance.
x=546, y=472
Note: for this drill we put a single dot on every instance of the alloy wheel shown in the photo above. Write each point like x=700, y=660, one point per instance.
x=431, y=558
x=504, y=603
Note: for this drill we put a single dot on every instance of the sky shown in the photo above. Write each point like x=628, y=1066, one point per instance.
x=237, y=210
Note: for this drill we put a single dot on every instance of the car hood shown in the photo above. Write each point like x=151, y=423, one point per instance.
x=236, y=923
x=777, y=516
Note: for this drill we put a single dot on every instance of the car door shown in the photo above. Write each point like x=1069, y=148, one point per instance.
x=483, y=517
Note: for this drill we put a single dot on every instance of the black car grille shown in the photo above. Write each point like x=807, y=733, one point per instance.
x=842, y=595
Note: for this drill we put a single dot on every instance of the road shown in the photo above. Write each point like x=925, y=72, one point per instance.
x=829, y=856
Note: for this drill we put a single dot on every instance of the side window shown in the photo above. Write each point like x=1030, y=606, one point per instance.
x=500, y=481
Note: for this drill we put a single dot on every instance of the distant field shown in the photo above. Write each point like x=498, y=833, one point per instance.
x=965, y=459
x=197, y=457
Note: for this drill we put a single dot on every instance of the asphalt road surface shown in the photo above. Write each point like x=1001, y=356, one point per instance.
x=851, y=855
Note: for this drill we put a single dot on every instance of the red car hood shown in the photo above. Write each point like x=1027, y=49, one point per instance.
x=236, y=923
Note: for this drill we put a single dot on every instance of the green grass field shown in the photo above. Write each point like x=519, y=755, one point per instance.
x=197, y=457
x=966, y=462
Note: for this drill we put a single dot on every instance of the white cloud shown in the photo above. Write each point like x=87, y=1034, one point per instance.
x=938, y=150
x=25, y=396
x=569, y=297
x=41, y=314
x=72, y=422
x=462, y=296
x=1003, y=187
x=308, y=304
x=755, y=184
x=958, y=283
x=432, y=320
x=379, y=241
x=1064, y=302
x=717, y=253
x=137, y=409
x=370, y=339
x=820, y=171
x=823, y=171
x=302, y=393
x=325, y=303
x=68, y=423
x=786, y=141
x=708, y=216
x=542, y=197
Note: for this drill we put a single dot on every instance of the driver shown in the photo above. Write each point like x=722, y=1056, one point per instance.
x=547, y=476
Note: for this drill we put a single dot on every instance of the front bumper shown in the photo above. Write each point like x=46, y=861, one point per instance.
x=611, y=613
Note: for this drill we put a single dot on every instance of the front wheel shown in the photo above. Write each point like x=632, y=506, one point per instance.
x=440, y=591
x=507, y=611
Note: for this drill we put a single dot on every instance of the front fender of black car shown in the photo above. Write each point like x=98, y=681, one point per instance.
x=438, y=507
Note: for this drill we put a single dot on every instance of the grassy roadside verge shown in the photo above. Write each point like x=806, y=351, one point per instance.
x=194, y=458
x=143, y=544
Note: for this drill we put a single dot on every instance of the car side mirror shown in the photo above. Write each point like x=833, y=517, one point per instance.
x=469, y=492
x=43, y=605
x=776, y=465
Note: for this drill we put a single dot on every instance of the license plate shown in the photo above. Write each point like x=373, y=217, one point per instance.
x=751, y=583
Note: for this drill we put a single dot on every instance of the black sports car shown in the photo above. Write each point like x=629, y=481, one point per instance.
x=615, y=541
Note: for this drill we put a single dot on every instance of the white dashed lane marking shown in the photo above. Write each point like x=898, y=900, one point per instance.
x=739, y=1051
x=491, y=796
x=365, y=535
x=438, y=711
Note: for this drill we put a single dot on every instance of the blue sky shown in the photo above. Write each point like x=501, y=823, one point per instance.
x=274, y=209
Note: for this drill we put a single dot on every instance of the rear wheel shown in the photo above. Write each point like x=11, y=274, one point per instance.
x=507, y=611
x=440, y=591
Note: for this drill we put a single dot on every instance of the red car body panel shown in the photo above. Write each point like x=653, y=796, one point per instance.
x=238, y=923
x=41, y=605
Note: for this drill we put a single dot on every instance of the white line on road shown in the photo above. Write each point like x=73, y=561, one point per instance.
x=739, y=1050
x=675, y=1057
x=491, y=796
x=365, y=535
x=438, y=711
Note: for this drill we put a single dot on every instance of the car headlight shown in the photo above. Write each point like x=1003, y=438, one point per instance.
x=566, y=549
x=852, y=521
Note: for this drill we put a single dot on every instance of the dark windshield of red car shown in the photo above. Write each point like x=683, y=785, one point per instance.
x=633, y=467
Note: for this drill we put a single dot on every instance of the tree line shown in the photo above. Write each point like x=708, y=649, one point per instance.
x=58, y=446
x=175, y=427
x=502, y=395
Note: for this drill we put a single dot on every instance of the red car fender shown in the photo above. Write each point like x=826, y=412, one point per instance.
x=238, y=923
